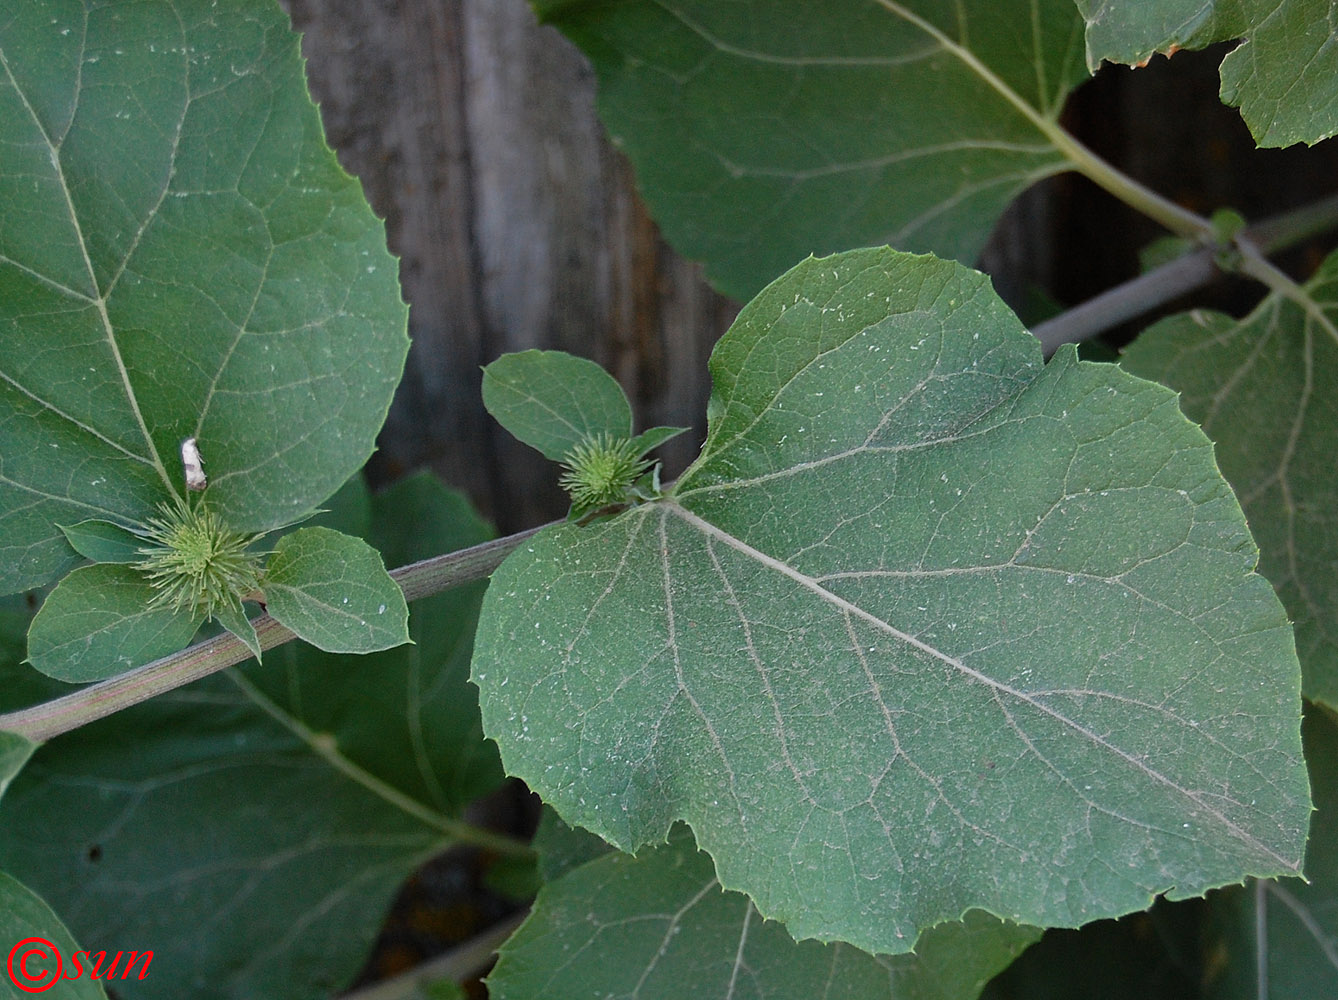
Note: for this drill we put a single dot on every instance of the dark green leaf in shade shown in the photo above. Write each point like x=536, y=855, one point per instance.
x=1283, y=76
x=101, y=621
x=1264, y=390
x=1278, y=939
x=233, y=617
x=38, y=949
x=14, y=753
x=104, y=541
x=180, y=256
x=563, y=847
x=516, y=879
x=929, y=626
x=765, y=130
x=659, y=927
x=553, y=401
x=253, y=828
x=333, y=590
x=648, y=441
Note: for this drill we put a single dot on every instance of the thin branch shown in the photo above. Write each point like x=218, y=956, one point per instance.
x=421, y=579
x=1185, y=274
x=1129, y=300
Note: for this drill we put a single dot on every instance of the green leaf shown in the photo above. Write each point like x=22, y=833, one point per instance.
x=1283, y=76
x=554, y=401
x=1275, y=940
x=333, y=591
x=648, y=441
x=1261, y=387
x=180, y=256
x=659, y=925
x=14, y=753
x=765, y=130
x=562, y=847
x=1131, y=32
x=100, y=621
x=252, y=829
x=928, y=626
x=233, y=618
x=516, y=879
x=39, y=949
x=103, y=541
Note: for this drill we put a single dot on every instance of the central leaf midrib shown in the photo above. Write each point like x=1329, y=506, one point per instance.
x=713, y=531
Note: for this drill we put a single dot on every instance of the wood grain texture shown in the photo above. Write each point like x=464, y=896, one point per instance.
x=473, y=130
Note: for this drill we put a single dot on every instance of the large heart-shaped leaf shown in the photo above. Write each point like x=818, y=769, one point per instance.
x=1262, y=387
x=1283, y=76
x=251, y=829
x=658, y=925
x=180, y=256
x=765, y=130
x=928, y=626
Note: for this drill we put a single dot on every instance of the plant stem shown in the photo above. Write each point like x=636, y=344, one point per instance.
x=421, y=579
x=1124, y=302
x=1185, y=274
x=1155, y=206
x=1159, y=208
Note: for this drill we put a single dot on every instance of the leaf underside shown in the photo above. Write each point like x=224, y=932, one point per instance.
x=1262, y=387
x=929, y=626
x=767, y=130
x=180, y=256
